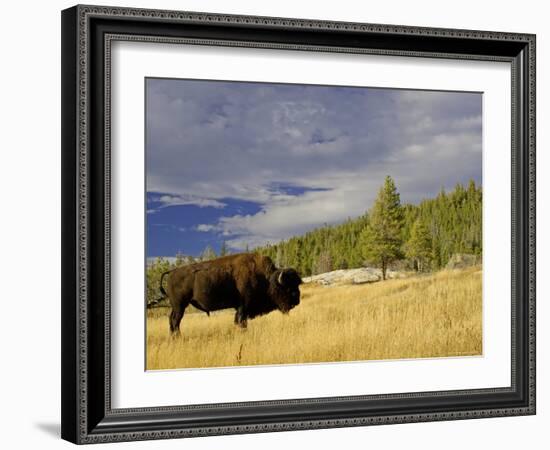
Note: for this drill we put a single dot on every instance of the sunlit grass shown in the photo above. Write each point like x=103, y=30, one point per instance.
x=425, y=316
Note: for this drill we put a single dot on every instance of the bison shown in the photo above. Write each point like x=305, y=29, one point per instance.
x=249, y=283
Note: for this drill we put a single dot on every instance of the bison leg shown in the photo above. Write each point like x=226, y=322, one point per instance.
x=175, y=318
x=240, y=317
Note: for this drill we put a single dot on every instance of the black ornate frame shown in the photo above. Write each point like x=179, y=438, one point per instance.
x=87, y=33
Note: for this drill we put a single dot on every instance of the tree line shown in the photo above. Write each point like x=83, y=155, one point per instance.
x=422, y=237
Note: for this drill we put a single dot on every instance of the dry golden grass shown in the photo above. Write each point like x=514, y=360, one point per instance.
x=425, y=316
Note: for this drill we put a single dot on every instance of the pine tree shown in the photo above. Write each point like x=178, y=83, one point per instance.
x=419, y=246
x=381, y=239
x=279, y=256
x=324, y=262
x=208, y=253
x=223, y=249
x=179, y=259
x=153, y=274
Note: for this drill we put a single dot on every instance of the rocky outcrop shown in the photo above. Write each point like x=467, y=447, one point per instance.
x=352, y=276
x=463, y=260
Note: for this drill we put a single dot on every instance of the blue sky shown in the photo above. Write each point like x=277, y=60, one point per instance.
x=253, y=163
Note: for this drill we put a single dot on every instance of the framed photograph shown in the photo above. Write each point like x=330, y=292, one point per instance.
x=279, y=224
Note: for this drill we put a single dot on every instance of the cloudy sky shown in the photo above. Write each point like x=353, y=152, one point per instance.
x=252, y=163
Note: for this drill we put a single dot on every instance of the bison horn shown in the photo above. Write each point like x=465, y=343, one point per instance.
x=280, y=277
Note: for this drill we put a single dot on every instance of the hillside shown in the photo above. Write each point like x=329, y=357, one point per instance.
x=433, y=315
x=452, y=219
x=450, y=226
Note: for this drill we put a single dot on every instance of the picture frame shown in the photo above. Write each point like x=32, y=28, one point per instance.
x=87, y=413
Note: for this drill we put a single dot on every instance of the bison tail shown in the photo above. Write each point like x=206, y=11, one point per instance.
x=162, y=290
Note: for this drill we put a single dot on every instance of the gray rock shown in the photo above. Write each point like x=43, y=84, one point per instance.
x=463, y=260
x=352, y=276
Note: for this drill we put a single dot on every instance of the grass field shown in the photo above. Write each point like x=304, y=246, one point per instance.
x=433, y=315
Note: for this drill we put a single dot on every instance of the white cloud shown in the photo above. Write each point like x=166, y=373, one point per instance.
x=182, y=200
x=214, y=141
x=204, y=227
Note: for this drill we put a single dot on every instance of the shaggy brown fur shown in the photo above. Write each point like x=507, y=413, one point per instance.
x=248, y=282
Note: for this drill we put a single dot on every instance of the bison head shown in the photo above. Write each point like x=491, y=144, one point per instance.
x=284, y=289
